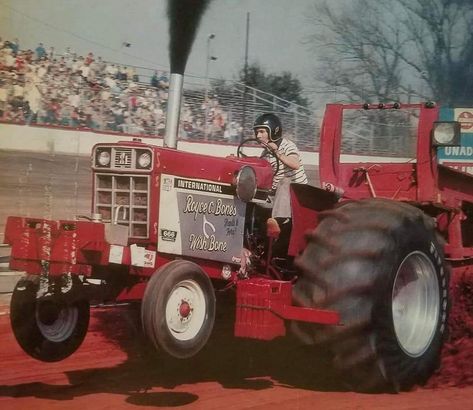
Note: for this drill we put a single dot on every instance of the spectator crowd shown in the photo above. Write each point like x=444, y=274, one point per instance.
x=69, y=90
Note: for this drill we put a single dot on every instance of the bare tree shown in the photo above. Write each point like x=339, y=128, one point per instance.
x=388, y=50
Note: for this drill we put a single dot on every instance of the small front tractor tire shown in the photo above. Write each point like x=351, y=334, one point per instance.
x=178, y=309
x=49, y=328
x=380, y=264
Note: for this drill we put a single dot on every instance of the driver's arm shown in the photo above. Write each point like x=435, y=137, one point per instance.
x=291, y=160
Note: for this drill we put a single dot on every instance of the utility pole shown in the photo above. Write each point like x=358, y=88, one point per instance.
x=210, y=37
x=245, y=74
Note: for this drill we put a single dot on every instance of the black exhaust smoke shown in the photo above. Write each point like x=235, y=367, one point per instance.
x=184, y=18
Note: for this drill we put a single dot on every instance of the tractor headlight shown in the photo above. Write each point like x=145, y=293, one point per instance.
x=446, y=133
x=103, y=157
x=245, y=183
x=144, y=159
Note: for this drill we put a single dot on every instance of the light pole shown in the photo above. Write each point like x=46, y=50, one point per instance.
x=210, y=37
x=243, y=117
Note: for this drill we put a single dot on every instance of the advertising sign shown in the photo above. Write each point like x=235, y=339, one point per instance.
x=461, y=157
x=199, y=218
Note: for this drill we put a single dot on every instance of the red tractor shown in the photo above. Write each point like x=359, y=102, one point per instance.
x=363, y=268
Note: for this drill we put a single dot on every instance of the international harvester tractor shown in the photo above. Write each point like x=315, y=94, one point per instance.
x=362, y=268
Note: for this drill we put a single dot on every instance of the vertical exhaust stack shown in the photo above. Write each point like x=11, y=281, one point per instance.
x=184, y=17
x=173, y=110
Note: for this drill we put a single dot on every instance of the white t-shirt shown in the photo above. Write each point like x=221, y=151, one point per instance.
x=287, y=148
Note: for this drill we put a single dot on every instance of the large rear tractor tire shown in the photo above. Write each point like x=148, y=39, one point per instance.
x=49, y=328
x=380, y=264
x=178, y=309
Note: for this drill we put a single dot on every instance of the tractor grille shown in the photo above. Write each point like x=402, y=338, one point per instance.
x=124, y=200
x=122, y=158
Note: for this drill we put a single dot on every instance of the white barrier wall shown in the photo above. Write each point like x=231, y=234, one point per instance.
x=71, y=141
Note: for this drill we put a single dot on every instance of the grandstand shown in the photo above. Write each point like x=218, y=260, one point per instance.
x=88, y=93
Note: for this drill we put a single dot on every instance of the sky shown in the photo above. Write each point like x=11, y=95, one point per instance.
x=277, y=31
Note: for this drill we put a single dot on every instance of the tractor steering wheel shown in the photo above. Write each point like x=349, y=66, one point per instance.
x=271, y=152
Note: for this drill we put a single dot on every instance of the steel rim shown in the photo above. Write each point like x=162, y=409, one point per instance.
x=186, y=310
x=415, y=303
x=63, y=325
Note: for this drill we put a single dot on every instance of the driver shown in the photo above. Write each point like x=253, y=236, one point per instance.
x=268, y=131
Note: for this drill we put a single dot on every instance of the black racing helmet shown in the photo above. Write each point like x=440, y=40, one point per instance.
x=272, y=123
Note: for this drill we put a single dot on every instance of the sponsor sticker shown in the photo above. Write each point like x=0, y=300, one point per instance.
x=168, y=235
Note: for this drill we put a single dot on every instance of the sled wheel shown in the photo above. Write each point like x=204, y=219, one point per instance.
x=48, y=328
x=380, y=264
x=178, y=309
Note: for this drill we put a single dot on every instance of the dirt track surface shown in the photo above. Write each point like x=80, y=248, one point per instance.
x=113, y=373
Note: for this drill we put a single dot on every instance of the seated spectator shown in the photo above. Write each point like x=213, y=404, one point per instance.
x=187, y=130
x=40, y=52
x=67, y=54
x=41, y=71
x=65, y=115
x=74, y=99
x=53, y=109
x=69, y=57
x=155, y=80
x=33, y=98
x=18, y=94
x=161, y=129
x=41, y=117
x=84, y=70
x=20, y=63
x=131, y=74
x=3, y=96
x=28, y=56
x=100, y=65
x=77, y=64
x=89, y=59
x=163, y=81
x=111, y=70
x=81, y=118
x=110, y=123
x=14, y=46
x=234, y=132
x=122, y=74
x=8, y=59
x=75, y=120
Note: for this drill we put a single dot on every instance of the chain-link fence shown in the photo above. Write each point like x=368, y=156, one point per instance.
x=226, y=110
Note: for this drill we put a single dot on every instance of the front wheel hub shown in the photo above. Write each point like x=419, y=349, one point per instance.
x=56, y=320
x=184, y=309
x=48, y=312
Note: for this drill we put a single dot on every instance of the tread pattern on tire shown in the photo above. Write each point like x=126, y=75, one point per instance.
x=349, y=265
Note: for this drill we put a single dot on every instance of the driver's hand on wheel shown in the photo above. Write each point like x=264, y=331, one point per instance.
x=270, y=146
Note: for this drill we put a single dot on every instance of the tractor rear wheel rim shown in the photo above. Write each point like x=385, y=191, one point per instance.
x=186, y=310
x=415, y=304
